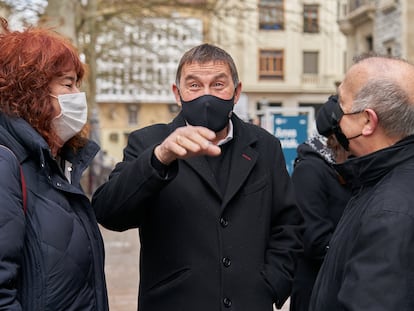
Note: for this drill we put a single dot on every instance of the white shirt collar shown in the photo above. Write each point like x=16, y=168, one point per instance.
x=229, y=135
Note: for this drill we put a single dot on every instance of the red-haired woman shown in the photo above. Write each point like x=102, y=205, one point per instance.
x=51, y=249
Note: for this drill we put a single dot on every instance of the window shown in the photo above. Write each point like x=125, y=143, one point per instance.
x=132, y=115
x=310, y=18
x=271, y=14
x=369, y=43
x=271, y=64
x=310, y=62
x=389, y=47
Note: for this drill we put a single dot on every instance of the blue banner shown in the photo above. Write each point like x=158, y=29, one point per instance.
x=291, y=131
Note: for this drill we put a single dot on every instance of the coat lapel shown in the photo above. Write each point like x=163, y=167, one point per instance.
x=243, y=160
x=201, y=166
x=198, y=164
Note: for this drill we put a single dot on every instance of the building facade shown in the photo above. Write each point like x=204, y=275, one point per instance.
x=134, y=80
x=290, y=53
x=380, y=26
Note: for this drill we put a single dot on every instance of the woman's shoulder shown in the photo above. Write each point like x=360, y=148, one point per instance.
x=7, y=158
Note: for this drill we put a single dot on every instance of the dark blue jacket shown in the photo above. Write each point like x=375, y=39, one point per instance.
x=52, y=256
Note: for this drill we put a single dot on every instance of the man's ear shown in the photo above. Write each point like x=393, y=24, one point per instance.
x=371, y=122
x=176, y=92
x=237, y=92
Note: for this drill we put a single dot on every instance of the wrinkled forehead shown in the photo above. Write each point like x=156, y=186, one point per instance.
x=204, y=69
x=206, y=64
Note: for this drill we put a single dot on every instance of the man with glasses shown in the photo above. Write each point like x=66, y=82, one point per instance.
x=369, y=265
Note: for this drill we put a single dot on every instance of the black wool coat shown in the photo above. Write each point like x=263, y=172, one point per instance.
x=201, y=250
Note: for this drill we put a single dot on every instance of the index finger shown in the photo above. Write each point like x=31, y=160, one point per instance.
x=205, y=132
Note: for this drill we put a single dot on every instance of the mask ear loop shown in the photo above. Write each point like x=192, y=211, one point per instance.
x=234, y=96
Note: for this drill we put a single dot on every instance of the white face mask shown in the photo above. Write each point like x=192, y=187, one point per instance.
x=73, y=115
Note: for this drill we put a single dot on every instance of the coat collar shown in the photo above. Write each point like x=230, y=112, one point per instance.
x=25, y=142
x=370, y=168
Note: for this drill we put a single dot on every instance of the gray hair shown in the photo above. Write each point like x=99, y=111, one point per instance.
x=391, y=103
x=205, y=53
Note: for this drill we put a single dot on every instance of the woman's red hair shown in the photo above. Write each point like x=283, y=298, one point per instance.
x=29, y=61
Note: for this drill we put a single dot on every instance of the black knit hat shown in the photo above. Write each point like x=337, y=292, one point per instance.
x=324, y=120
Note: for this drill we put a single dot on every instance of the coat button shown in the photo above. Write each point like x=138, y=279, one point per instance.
x=226, y=262
x=223, y=222
x=227, y=302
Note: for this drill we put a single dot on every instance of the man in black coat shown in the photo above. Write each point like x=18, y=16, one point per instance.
x=211, y=196
x=370, y=262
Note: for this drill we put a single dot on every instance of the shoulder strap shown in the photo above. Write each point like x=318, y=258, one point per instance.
x=23, y=182
x=24, y=192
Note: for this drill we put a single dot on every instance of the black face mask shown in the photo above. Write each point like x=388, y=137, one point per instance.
x=340, y=137
x=209, y=111
x=337, y=115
